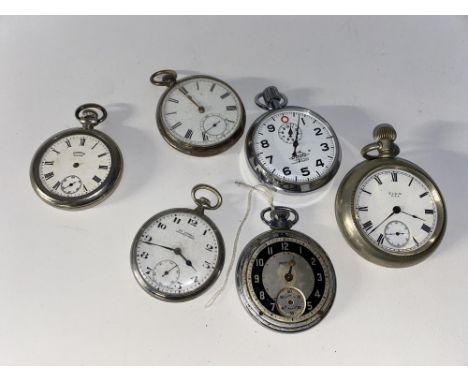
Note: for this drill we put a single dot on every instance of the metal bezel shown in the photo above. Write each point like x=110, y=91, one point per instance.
x=271, y=180
x=347, y=217
x=195, y=293
x=250, y=305
x=99, y=194
x=196, y=150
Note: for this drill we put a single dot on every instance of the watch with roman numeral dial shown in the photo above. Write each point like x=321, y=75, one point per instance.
x=284, y=278
x=78, y=167
x=389, y=209
x=198, y=115
x=290, y=148
x=179, y=253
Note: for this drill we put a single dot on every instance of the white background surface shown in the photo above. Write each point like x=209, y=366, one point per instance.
x=67, y=293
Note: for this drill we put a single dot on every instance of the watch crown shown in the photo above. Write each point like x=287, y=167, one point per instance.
x=272, y=99
x=384, y=131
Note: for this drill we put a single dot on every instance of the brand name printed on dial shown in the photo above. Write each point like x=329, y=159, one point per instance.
x=394, y=194
x=186, y=234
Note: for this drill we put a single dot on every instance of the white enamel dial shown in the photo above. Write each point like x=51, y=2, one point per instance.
x=201, y=111
x=176, y=253
x=75, y=165
x=395, y=210
x=295, y=146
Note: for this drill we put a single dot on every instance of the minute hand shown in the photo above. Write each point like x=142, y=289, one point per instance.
x=383, y=221
x=413, y=216
x=296, y=140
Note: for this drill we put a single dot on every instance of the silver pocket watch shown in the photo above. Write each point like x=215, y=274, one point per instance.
x=198, y=115
x=390, y=210
x=284, y=278
x=178, y=253
x=290, y=148
x=77, y=167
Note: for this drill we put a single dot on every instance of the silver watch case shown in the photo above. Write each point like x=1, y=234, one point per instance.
x=99, y=194
x=195, y=150
x=276, y=183
x=250, y=305
x=347, y=219
x=195, y=293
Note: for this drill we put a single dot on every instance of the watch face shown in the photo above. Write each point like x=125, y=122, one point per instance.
x=74, y=165
x=177, y=254
x=396, y=211
x=288, y=282
x=201, y=111
x=295, y=146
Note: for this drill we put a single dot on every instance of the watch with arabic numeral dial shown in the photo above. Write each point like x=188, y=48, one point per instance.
x=179, y=253
x=78, y=167
x=290, y=148
x=198, y=115
x=284, y=278
x=389, y=209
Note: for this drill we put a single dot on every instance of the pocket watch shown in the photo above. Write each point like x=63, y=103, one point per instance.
x=178, y=253
x=198, y=115
x=284, y=278
x=291, y=148
x=388, y=209
x=77, y=167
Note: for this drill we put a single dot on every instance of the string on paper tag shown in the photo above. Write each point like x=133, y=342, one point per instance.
x=269, y=197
